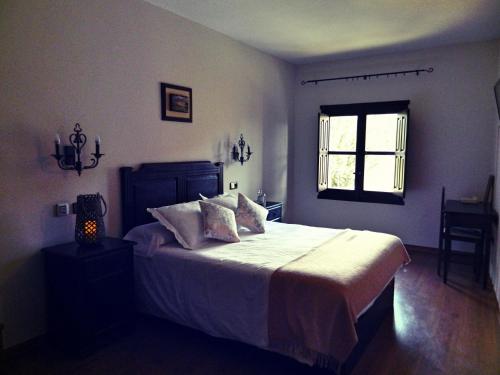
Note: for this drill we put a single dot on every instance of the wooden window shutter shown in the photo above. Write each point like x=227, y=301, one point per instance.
x=323, y=139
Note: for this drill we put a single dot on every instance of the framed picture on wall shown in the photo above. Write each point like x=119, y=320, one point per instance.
x=176, y=103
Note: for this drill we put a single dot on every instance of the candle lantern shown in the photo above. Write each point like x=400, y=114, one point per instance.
x=89, y=228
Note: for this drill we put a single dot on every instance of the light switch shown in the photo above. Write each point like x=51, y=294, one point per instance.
x=62, y=209
x=233, y=185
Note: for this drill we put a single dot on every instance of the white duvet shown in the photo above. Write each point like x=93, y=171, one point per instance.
x=222, y=289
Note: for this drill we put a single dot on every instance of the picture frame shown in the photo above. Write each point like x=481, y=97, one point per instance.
x=176, y=103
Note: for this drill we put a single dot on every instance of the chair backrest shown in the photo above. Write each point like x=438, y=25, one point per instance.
x=441, y=218
x=442, y=198
x=488, y=194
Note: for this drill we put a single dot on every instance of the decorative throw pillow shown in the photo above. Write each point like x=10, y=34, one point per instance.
x=225, y=200
x=218, y=222
x=184, y=220
x=149, y=238
x=250, y=214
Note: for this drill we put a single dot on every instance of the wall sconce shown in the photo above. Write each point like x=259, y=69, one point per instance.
x=238, y=155
x=70, y=160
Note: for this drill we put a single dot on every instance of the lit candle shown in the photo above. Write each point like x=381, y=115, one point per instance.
x=58, y=139
x=90, y=228
x=97, y=144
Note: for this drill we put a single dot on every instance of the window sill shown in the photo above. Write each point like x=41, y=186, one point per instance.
x=368, y=197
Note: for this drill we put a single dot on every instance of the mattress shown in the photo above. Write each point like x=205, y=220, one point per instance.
x=222, y=289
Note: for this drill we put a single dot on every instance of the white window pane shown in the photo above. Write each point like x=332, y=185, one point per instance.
x=379, y=173
x=341, y=171
x=343, y=131
x=381, y=132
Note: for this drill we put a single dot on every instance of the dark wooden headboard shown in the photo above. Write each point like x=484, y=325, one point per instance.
x=163, y=184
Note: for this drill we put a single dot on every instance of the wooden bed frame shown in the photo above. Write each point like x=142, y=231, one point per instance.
x=162, y=184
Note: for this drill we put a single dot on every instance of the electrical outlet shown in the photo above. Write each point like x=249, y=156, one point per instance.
x=62, y=209
x=233, y=185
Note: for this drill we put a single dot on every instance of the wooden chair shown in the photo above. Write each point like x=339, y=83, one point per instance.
x=475, y=236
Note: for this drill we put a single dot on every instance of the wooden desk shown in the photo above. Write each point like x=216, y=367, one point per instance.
x=473, y=216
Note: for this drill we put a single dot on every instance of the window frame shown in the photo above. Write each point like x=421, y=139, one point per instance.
x=362, y=110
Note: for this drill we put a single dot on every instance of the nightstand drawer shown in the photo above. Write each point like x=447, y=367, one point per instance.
x=102, y=266
x=108, y=301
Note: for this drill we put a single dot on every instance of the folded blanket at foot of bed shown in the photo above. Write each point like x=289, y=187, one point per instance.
x=315, y=300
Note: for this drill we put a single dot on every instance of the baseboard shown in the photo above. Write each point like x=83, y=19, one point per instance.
x=435, y=251
x=421, y=249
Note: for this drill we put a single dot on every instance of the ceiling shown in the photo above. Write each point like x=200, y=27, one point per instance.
x=303, y=31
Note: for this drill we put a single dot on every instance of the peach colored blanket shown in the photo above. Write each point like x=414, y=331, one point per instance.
x=314, y=301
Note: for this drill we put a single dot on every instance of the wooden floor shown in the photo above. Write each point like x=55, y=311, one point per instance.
x=436, y=329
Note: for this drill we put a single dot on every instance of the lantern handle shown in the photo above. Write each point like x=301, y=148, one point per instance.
x=105, y=205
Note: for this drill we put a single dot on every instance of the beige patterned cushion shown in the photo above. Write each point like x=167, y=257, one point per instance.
x=219, y=222
x=250, y=214
x=184, y=220
x=226, y=200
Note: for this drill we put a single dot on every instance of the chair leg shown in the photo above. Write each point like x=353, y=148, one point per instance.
x=447, y=251
x=486, y=260
x=440, y=254
x=478, y=257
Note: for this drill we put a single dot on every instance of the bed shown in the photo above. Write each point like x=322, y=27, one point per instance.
x=241, y=291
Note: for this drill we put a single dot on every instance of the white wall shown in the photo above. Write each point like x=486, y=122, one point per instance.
x=451, y=136
x=100, y=63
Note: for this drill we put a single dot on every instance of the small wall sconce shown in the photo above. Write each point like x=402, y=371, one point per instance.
x=70, y=160
x=238, y=155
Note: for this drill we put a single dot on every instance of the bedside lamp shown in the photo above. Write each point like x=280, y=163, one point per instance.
x=89, y=227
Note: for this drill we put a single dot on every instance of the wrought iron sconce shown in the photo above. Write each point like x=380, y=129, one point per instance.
x=239, y=155
x=70, y=159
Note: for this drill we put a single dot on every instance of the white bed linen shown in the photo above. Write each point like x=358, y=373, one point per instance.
x=222, y=289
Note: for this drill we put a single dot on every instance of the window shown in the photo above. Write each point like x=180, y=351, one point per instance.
x=362, y=152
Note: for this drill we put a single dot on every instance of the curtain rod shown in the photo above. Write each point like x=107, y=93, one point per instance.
x=367, y=76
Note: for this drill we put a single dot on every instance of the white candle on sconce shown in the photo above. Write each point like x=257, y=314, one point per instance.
x=97, y=144
x=57, y=143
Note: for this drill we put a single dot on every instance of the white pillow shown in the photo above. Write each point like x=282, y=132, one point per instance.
x=149, y=237
x=184, y=220
x=250, y=214
x=219, y=222
x=225, y=200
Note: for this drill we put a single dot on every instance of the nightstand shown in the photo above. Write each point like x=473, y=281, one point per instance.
x=1, y=339
x=89, y=293
x=275, y=211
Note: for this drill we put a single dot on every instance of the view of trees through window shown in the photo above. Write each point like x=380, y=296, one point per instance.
x=343, y=131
